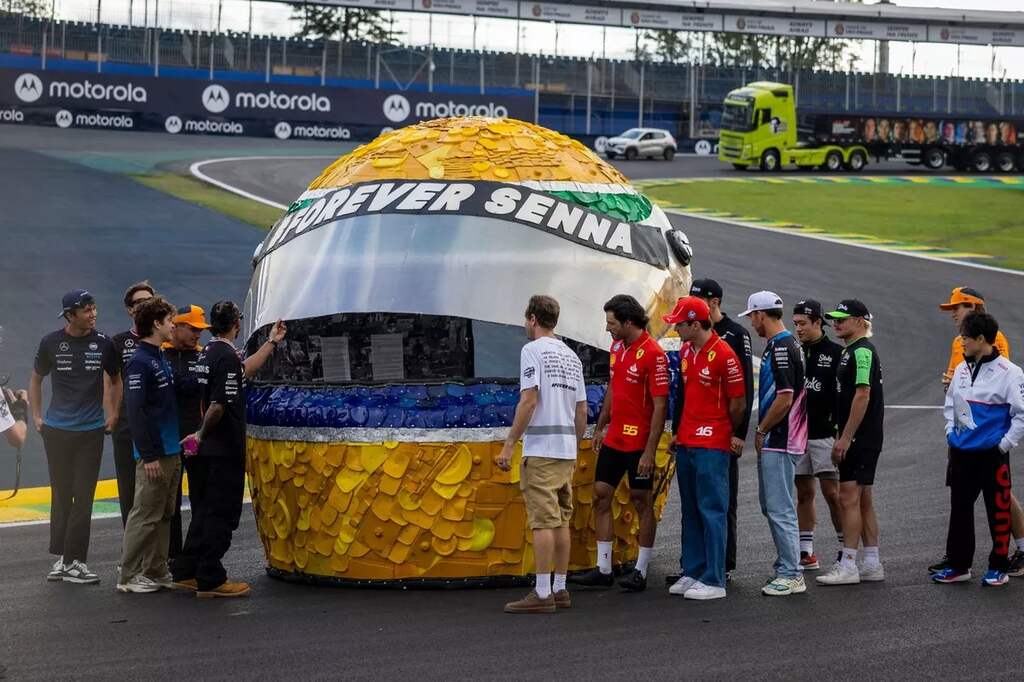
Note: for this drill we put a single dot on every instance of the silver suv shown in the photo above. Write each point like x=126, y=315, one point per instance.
x=653, y=143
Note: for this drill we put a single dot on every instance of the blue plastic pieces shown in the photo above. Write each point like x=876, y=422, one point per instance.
x=442, y=406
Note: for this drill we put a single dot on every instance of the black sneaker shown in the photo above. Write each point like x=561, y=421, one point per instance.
x=635, y=581
x=940, y=565
x=592, y=578
x=672, y=578
x=1016, y=568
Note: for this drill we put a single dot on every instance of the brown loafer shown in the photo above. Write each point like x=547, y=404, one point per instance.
x=562, y=599
x=531, y=603
x=227, y=590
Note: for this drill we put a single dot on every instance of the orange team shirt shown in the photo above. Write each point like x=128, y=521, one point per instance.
x=639, y=373
x=956, y=354
x=711, y=377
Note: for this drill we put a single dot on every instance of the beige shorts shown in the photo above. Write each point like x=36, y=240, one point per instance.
x=547, y=491
x=817, y=460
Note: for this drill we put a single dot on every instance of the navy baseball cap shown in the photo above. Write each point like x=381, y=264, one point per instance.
x=75, y=300
x=706, y=288
x=811, y=309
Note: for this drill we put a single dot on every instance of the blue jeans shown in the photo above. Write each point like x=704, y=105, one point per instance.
x=703, y=476
x=775, y=471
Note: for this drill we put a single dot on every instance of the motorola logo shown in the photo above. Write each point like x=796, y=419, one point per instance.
x=173, y=125
x=28, y=87
x=216, y=98
x=283, y=130
x=64, y=118
x=396, y=108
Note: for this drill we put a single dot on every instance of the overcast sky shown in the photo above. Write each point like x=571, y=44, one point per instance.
x=497, y=34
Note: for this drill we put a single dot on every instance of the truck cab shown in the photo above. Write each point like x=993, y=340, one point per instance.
x=759, y=129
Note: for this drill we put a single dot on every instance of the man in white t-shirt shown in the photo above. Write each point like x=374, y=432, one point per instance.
x=552, y=413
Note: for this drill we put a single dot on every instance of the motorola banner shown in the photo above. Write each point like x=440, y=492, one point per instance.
x=237, y=100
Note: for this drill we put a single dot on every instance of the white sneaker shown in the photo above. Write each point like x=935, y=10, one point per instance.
x=783, y=587
x=79, y=573
x=872, y=574
x=56, y=573
x=139, y=584
x=839, y=575
x=166, y=580
x=682, y=585
x=704, y=592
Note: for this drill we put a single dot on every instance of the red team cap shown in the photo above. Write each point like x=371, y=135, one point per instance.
x=688, y=309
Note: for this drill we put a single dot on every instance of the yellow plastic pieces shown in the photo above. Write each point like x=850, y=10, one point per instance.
x=471, y=148
x=386, y=511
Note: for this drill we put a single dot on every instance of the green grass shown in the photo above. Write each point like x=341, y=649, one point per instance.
x=198, y=192
x=988, y=221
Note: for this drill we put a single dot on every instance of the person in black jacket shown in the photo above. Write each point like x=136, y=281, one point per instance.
x=152, y=414
x=821, y=359
x=738, y=339
x=124, y=460
x=182, y=353
x=216, y=493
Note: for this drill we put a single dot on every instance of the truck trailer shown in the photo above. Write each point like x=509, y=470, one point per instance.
x=761, y=129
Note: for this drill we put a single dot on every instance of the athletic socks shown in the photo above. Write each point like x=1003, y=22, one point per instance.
x=543, y=588
x=849, y=559
x=807, y=541
x=643, y=560
x=871, y=556
x=604, y=556
x=559, y=584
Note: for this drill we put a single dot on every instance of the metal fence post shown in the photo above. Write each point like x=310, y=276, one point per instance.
x=430, y=67
x=847, y=90
x=899, y=82
x=590, y=80
x=481, y=74
x=213, y=48
x=323, y=65
x=376, y=77
x=266, y=77
x=640, y=99
x=99, y=50
x=536, y=90
x=43, y=52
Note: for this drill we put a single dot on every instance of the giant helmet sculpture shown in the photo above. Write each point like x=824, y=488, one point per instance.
x=403, y=272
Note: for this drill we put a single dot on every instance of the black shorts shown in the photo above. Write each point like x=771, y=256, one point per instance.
x=859, y=465
x=613, y=464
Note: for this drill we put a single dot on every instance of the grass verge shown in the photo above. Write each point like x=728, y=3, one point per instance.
x=987, y=221
x=198, y=192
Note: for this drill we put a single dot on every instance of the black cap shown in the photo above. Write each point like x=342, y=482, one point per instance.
x=849, y=307
x=224, y=314
x=706, y=288
x=811, y=309
x=74, y=300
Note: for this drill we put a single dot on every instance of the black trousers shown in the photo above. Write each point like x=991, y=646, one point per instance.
x=972, y=472
x=124, y=469
x=73, y=459
x=215, y=489
x=730, y=538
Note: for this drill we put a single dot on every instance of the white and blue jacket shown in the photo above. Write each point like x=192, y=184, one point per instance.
x=985, y=405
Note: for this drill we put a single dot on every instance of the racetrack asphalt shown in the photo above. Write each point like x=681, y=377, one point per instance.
x=66, y=225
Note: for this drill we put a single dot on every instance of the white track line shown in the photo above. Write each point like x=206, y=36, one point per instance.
x=836, y=240
x=196, y=170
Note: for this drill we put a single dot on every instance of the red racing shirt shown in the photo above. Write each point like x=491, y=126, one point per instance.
x=711, y=376
x=639, y=373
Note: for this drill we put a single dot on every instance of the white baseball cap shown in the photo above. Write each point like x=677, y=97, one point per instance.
x=763, y=300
